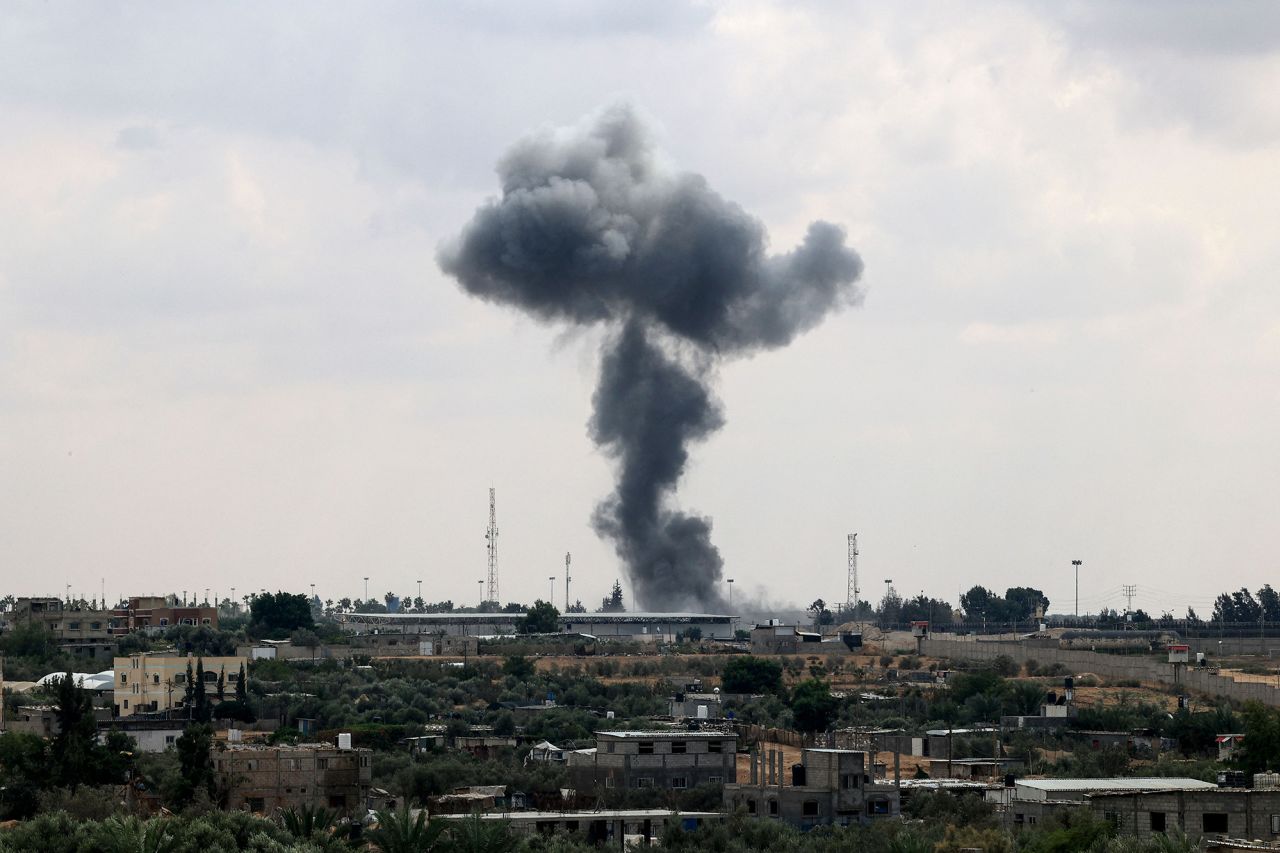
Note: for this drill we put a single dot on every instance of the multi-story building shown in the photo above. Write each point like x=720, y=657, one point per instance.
x=262, y=779
x=830, y=786
x=153, y=613
x=656, y=759
x=79, y=629
x=157, y=682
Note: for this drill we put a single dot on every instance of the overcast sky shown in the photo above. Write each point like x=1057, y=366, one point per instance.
x=228, y=358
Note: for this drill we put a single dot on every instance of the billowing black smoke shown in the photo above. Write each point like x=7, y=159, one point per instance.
x=589, y=228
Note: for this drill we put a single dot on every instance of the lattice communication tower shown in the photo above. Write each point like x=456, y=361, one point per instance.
x=491, y=537
x=852, y=601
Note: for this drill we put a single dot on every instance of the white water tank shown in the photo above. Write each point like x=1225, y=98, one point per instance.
x=344, y=740
x=702, y=712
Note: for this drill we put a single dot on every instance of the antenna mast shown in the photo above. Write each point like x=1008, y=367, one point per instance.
x=491, y=535
x=852, y=601
x=567, y=558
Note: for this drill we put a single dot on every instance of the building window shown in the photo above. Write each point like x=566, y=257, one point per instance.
x=714, y=780
x=322, y=764
x=1275, y=824
x=715, y=746
x=126, y=703
x=644, y=782
x=679, y=747
x=645, y=747
x=773, y=808
x=1214, y=822
x=205, y=620
x=810, y=808
x=1157, y=821
x=751, y=806
x=848, y=780
x=611, y=745
x=255, y=804
x=679, y=782
x=608, y=781
x=124, y=678
x=164, y=621
x=95, y=625
x=878, y=807
x=168, y=739
x=73, y=626
x=337, y=801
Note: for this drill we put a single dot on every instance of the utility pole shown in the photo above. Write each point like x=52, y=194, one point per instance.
x=551, y=599
x=491, y=537
x=1129, y=590
x=1077, y=564
x=567, y=559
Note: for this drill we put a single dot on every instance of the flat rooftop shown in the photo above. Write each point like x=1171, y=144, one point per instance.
x=604, y=814
x=669, y=733
x=1130, y=783
x=588, y=618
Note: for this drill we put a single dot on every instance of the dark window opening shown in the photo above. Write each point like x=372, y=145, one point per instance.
x=1214, y=822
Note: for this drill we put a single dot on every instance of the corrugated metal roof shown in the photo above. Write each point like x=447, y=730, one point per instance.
x=1135, y=783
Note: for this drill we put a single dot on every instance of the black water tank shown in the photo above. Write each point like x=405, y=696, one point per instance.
x=1008, y=780
x=1069, y=683
x=797, y=775
x=1051, y=698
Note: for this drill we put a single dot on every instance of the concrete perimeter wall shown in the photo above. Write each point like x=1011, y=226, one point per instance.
x=1114, y=667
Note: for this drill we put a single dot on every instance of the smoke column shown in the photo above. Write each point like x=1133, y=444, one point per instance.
x=591, y=229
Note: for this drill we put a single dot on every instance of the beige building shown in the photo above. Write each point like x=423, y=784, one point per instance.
x=263, y=779
x=147, y=683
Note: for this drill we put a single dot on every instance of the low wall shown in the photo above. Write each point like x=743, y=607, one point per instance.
x=1114, y=667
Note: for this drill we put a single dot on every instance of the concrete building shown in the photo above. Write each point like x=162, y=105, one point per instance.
x=697, y=706
x=156, y=682
x=262, y=779
x=42, y=720
x=775, y=638
x=79, y=630
x=152, y=614
x=655, y=759
x=151, y=735
x=633, y=626
x=830, y=786
x=617, y=828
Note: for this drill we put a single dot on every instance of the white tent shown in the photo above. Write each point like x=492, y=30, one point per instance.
x=104, y=680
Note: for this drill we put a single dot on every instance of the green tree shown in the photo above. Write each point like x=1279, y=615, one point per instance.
x=75, y=757
x=402, y=832
x=518, y=666
x=242, y=687
x=1021, y=602
x=477, y=835
x=813, y=706
x=222, y=684
x=24, y=771
x=196, y=763
x=277, y=615
x=1259, y=752
x=201, y=711
x=612, y=603
x=749, y=674
x=541, y=618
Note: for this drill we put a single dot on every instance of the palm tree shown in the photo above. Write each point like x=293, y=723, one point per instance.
x=304, y=822
x=475, y=835
x=402, y=832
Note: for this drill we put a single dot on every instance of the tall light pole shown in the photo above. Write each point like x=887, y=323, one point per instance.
x=885, y=609
x=481, y=592
x=419, y=591
x=234, y=607
x=552, y=598
x=730, y=582
x=1077, y=564
x=366, y=587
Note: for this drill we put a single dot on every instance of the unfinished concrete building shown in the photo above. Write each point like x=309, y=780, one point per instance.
x=262, y=779
x=829, y=786
x=656, y=759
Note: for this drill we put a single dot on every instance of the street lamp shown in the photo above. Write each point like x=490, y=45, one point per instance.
x=234, y=606
x=481, y=582
x=885, y=609
x=552, y=578
x=366, y=587
x=730, y=582
x=1077, y=564
x=419, y=591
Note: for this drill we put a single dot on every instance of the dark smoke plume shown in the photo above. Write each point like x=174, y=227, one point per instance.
x=589, y=228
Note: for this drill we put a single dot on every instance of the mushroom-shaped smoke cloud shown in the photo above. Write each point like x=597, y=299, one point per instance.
x=589, y=228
